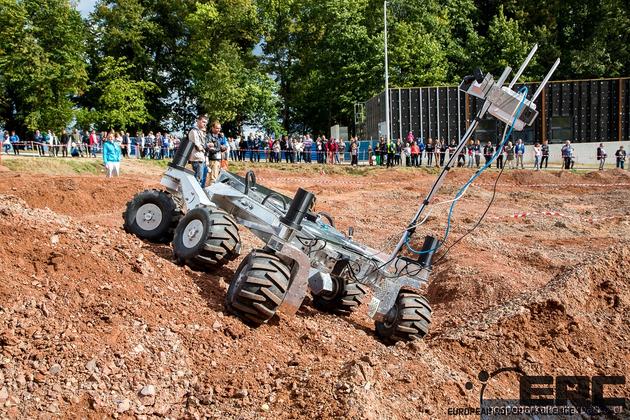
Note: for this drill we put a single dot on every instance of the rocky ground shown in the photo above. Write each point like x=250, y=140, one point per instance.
x=96, y=323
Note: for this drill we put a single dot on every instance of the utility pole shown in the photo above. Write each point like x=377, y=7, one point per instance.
x=386, y=74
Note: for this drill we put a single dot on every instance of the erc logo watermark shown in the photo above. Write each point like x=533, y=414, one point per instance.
x=546, y=395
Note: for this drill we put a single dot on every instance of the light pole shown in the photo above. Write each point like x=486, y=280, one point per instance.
x=386, y=74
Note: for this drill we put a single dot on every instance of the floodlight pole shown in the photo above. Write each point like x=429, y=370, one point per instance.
x=386, y=74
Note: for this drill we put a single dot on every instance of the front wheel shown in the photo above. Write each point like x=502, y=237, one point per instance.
x=152, y=215
x=407, y=320
x=258, y=288
x=206, y=238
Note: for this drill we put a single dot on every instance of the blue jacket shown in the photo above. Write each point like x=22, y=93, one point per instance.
x=520, y=149
x=111, y=152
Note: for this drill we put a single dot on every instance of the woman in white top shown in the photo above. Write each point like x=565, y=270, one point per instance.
x=537, y=156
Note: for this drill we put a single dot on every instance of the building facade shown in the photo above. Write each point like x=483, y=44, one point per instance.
x=576, y=110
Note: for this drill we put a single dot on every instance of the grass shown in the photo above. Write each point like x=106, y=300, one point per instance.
x=54, y=166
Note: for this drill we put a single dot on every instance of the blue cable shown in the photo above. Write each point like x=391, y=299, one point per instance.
x=523, y=91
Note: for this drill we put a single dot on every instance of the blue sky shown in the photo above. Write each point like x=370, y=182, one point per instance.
x=85, y=6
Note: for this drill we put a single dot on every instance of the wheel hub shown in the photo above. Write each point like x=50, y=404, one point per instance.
x=193, y=233
x=149, y=217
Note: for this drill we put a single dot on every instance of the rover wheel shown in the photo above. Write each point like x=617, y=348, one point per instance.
x=152, y=215
x=258, y=288
x=206, y=238
x=345, y=297
x=408, y=319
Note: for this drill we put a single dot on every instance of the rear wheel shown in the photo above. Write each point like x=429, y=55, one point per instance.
x=408, y=319
x=206, y=238
x=152, y=215
x=258, y=288
x=345, y=297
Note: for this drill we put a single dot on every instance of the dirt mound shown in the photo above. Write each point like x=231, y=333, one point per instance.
x=74, y=196
x=95, y=323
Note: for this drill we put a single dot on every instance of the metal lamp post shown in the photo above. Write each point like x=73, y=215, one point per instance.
x=386, y=74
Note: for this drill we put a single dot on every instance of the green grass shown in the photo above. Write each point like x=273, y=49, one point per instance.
x=54, y=166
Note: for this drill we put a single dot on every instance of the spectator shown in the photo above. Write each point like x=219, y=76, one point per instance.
x=65, y=143
x=382, y=151
x=6, y=142
x=470, y=151
x=124, y=145
x=415, y=151
x=430, y=149
x=620, y=154
x=601, y=156
x=443, y=149
x=391, y=151
x=545, y=154
x=198, y=156
x=275, y=151
x=111, y=155
x=537, y=156
x=39, y=142
x=499, y=156
x=488, y=151
x=477, y=152
x=436, y=152
x=451, y=148
x=461, y=158
x=15, y=142
x=354, y=153
x=566, y=155
x=407, y=153
x=215, y=147
x=421, y=147
x=93, y=141
x=341, y=152
x=308, y=146
x=520, y=152
x=398, y=153
x=509, y=155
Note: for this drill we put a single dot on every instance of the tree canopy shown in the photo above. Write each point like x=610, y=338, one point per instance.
x=283, y=65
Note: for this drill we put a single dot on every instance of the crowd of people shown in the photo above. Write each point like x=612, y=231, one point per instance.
x=255, y=147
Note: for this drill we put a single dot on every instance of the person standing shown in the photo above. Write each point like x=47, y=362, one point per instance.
x=65, y=143
x=537, y=156
x=391, y=151
x=566, y=155
x=443, y=148
x=354, y=153
x=519, y=150
x=197, y=158
x=93, y=141
x=430, y=148
x=111, y=155
x=509, y=155
x=415, y=151
x=15, y=142
x=601, y=156
x=545, y=154
x=488, y=151
x=477, y=153
x=620, y=154
x=215, y=147
x=499, y=156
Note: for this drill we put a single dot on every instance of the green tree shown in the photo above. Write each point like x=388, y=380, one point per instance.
x=42, y=62
x=121, y=102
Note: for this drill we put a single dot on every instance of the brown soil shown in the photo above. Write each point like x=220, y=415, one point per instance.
x=94, y=322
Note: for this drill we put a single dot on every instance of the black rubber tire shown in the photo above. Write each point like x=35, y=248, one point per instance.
x=258, y=288
x=344, y=299
x=409, y=319
x=163, y=211
x=216, y=242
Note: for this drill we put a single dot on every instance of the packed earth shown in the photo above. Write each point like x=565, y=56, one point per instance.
x=95, y=322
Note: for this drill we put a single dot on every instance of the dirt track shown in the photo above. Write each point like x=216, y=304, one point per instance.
x=94, y=322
